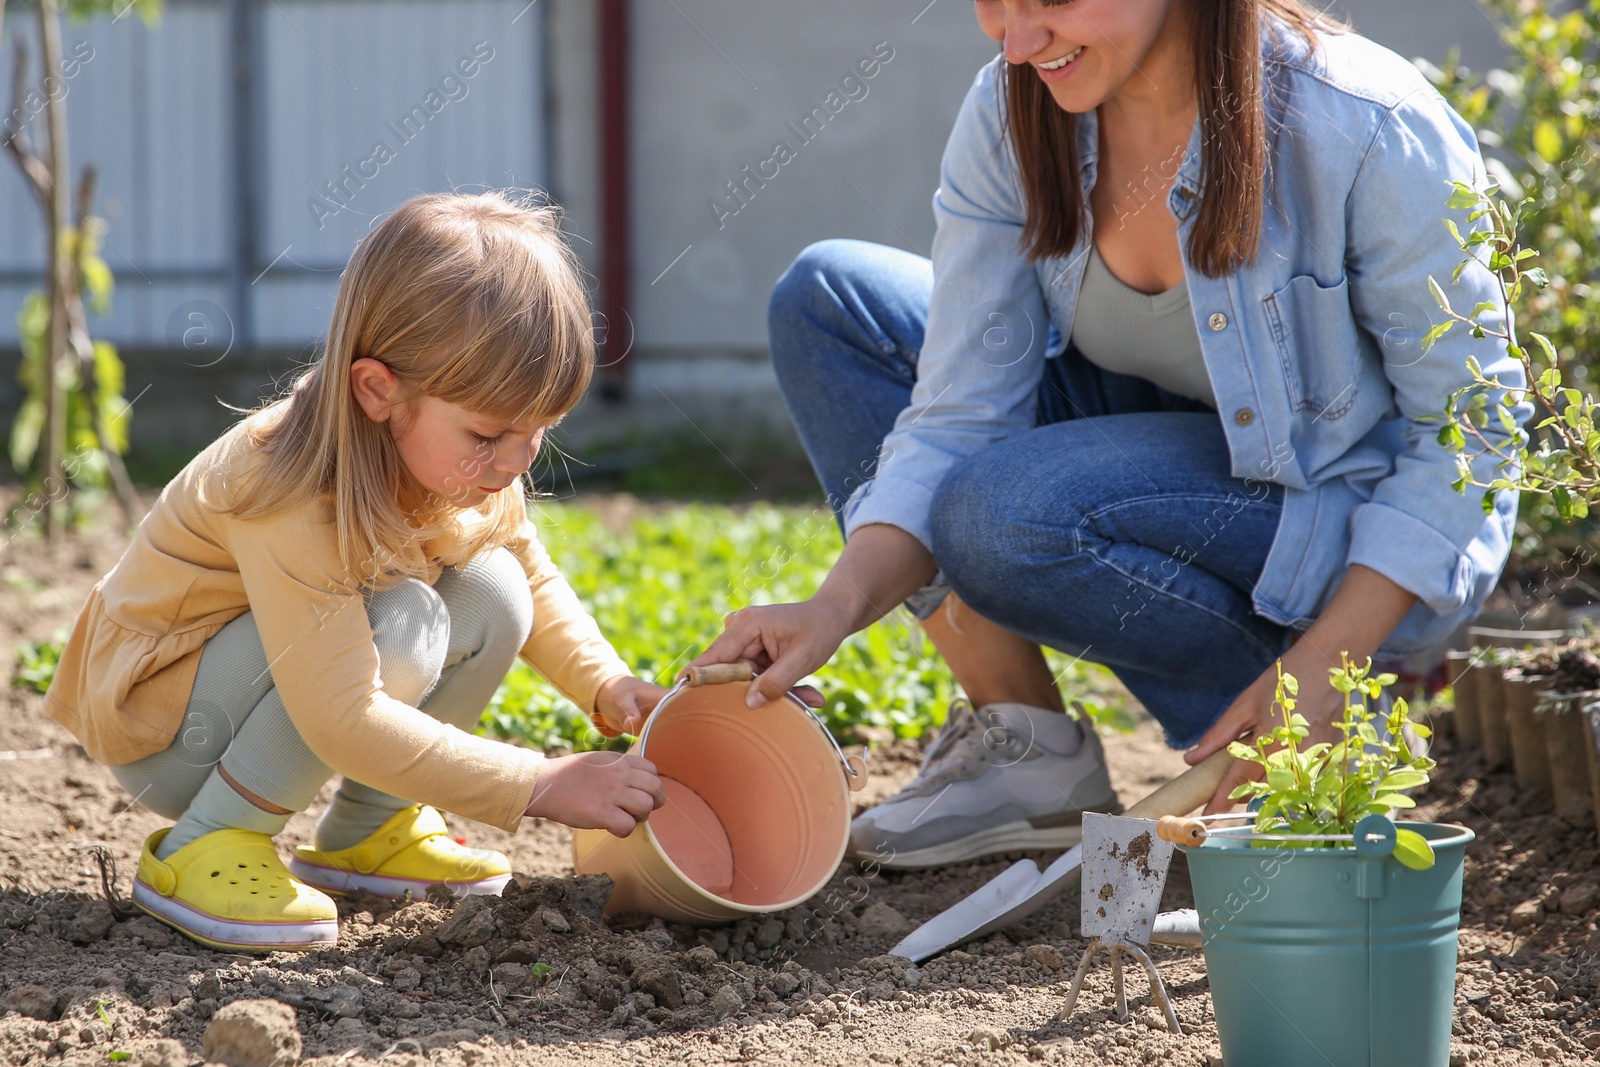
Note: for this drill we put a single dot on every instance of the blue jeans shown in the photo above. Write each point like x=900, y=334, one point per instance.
x=1114, y=530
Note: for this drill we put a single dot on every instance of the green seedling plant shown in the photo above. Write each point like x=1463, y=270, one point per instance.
x=1328, y=787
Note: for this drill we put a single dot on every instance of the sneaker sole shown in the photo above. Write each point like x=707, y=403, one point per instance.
x=1010, y=837
x=334, y=880
x=231, y=935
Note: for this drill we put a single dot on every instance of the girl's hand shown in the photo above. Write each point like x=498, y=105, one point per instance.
x=608, y=791
x=782, y=642
x=623, y=703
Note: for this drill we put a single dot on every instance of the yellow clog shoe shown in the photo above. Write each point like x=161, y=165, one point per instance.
x=228, y=889
x=407, y=854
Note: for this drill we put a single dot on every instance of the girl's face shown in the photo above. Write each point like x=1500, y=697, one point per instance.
x=460, y=454
x=1085, y=51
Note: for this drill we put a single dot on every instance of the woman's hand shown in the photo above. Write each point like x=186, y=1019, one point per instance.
x=880, y=566
x=782, y=642
x=623, y=703
x=608, y=791
x=1363, y=612
x=1253, y=715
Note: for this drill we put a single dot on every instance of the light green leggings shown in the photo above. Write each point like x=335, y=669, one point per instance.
x=443, y=648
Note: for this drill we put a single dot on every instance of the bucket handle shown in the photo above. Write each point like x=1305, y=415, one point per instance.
x=855, y=768
x=1374, y=835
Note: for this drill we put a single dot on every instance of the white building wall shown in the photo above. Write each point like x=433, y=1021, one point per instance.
x=720, y=84
x=330, y=81
x=717, y=82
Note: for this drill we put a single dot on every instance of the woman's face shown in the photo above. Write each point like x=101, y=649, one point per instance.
x=1106, y=45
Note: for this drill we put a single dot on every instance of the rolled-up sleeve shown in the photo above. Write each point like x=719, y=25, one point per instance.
x=1417, y=530
x=987, y=329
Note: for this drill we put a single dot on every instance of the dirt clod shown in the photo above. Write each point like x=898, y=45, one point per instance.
x=882, y=920
x=471, y=925
x=253, y=1033
x=554, y=921
x=1527, y=914
x=769, y=933
x=163, y=1053
x=1578, y=899
x=1046, y=956
x=34, y=1001
x=92, y=923
x=662, y=984
x=700, y=958
x=986, y=1037
x=725, y=1002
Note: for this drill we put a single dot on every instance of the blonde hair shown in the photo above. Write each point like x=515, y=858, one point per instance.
x=471, y=299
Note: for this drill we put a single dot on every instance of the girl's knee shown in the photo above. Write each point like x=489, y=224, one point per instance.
x=411, y=632
x=491, y=591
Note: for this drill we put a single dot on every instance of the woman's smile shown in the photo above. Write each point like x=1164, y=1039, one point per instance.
x=1059, y=68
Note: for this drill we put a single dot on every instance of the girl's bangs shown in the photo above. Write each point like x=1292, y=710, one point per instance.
x=516, y=375
x=527, y=350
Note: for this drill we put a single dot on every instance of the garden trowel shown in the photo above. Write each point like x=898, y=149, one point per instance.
x=1022, y=889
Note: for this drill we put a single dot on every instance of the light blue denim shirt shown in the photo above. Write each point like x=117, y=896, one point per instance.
x=1313, y=350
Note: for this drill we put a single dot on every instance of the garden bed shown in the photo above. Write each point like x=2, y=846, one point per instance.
x=533, y=978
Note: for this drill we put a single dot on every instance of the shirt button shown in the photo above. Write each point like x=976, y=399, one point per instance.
x=1218, y=321
x=1244, y=416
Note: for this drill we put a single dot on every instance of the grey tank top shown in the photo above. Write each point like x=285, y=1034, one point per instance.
x=1120, y=329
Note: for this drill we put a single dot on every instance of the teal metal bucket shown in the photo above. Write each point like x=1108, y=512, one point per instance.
x=1338, y=957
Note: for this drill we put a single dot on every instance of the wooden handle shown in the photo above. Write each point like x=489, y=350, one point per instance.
x=1186, y=792
x=720, y=674
x=1180, y=831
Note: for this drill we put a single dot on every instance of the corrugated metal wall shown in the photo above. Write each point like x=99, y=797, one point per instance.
x=245, y=145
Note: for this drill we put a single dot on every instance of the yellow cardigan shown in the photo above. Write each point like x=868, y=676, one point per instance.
x=128, y=668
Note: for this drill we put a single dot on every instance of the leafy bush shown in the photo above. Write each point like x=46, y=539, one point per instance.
x=1539, y=123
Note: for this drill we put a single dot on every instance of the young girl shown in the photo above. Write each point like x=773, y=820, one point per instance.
x=339, y=583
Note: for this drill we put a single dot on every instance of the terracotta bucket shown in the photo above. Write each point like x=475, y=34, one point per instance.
x=758, y=807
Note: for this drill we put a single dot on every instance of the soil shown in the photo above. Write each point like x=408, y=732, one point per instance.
x=534, y=976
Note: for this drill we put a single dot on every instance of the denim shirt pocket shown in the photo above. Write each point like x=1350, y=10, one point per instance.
x=1315, y=331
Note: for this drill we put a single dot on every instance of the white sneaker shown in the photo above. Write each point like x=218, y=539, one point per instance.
x=1008, y=778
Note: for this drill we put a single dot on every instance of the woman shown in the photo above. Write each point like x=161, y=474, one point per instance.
x=1156, y=401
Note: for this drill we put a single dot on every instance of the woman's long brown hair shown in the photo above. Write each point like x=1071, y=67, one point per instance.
x=1233, y=139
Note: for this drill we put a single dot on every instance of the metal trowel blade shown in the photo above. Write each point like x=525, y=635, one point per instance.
x=1008, y=898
